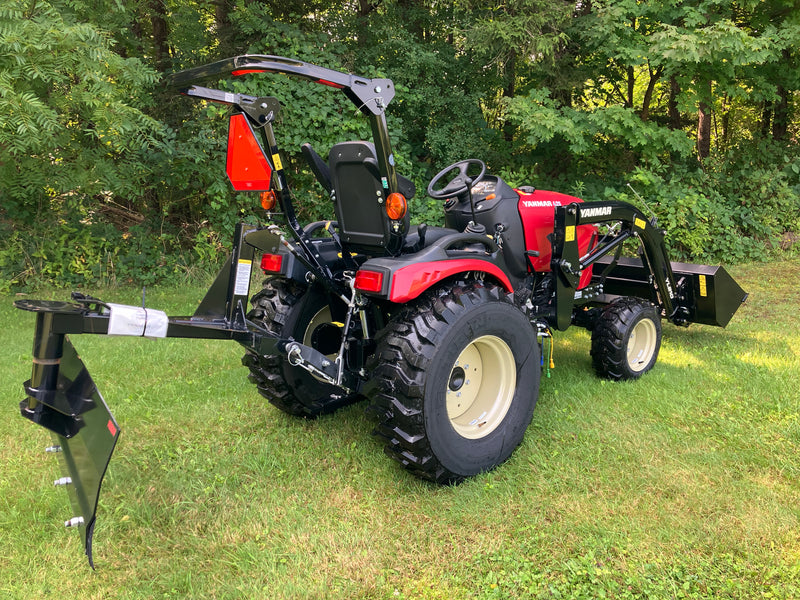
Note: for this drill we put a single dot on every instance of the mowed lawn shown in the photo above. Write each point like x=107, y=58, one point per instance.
x=685, y=484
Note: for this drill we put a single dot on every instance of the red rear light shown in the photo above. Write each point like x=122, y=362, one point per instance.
x=369, y=281
x=247, y=167
x=271, y=263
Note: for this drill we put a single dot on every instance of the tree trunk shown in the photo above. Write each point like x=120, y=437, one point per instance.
x=704, y=131
x=631, y=81
x=365, y=8
x=509, y=91
x=138, y=35
x=158, y=19
x=222, y=25
x=766, y=118
x=704, y=122
x=726, y=122
x=672, y=105
x=780, y=117
x=648, y=93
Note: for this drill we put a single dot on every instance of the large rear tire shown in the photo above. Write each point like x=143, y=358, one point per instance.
x=290, y=309
x=455, y=381
x=626, y=339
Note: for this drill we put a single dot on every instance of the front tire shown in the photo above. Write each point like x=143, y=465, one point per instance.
x=455, y=382
x=626, y=339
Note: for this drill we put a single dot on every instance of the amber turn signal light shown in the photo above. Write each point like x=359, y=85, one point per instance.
x=268, y=200
x=396, y=206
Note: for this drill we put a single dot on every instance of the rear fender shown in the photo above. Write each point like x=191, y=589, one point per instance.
x=411, y=281
x=407, y=277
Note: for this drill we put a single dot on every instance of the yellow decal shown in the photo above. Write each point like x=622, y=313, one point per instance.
x=569, y=234
x=703, y=288
x=639, y=223
x=277, y=161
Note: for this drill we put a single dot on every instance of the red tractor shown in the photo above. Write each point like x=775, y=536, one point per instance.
x=444, y=330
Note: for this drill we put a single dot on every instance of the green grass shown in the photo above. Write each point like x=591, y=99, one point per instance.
x=685, y=484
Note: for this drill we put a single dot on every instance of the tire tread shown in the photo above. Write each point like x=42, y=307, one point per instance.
x=405, y=348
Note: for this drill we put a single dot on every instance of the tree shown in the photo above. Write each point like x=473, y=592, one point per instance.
x=779, y=78
x=713, y=48
x=595, y=90
x=73, y=123
x=660, y=60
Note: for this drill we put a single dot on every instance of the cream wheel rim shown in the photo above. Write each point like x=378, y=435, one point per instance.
x=481, y=386
x=641, y=345
x=322, y=317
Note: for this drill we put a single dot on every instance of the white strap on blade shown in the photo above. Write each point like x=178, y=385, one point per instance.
x=137, y=321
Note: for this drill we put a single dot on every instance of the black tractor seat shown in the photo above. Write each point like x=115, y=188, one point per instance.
x=352, y=177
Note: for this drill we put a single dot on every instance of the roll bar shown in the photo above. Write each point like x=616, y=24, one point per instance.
x=370, y=96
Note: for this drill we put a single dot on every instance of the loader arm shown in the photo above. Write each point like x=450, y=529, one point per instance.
x=567, y=263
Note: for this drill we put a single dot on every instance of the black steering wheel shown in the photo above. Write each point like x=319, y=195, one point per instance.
x=461, y=183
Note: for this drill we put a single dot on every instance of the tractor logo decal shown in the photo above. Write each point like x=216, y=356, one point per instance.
x=600, y=211
x=539, y=203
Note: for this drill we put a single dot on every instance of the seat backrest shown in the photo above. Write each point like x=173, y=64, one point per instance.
x=359, y=197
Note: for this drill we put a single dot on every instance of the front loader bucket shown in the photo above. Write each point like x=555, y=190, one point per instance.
x=708, y=293
x=63, y=399
x=712, y=294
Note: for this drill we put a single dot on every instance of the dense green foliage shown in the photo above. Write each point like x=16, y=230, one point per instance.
x=106, y=176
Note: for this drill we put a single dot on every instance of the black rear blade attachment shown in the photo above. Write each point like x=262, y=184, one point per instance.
x=63, y=398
